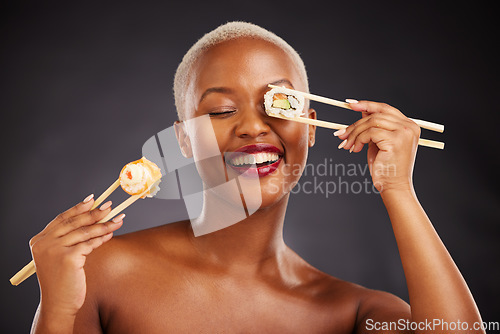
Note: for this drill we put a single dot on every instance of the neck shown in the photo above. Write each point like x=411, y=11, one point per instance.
x=251, y=243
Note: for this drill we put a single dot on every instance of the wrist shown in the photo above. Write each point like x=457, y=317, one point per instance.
x=398, y=192
x=54, y=321
x=385, y=182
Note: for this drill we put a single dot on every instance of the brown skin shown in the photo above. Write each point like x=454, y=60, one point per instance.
x=244, y=278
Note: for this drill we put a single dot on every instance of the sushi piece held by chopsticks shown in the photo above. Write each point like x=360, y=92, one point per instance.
x=139, y=179
x=279, y=109
x=140, y=176
x=423, y=124
x=278, y=101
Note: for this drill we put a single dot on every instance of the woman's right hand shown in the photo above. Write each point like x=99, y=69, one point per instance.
x=60, y=251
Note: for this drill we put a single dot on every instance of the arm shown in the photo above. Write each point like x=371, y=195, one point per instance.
x=47, y=322
x=436, y=288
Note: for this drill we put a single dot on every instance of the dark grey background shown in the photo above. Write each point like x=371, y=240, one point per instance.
x=85, y=85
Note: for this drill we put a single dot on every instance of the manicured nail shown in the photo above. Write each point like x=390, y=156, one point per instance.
x=105, y=206
x=339, y=132
x=352, y=148
x=351, y=101
x=88, y=198
x=342, y=144
x=118, y=218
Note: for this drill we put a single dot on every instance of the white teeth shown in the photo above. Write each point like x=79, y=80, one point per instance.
x=256, y=158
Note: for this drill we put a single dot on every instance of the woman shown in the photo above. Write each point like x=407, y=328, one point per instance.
x=243, y=278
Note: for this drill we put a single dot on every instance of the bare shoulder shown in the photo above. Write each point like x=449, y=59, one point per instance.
x=131, y=260
x=332, y=288
x=127, y=253
x=372, y=306
x=357, y=306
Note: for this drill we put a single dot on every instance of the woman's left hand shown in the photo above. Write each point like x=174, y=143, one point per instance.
x=392, y=141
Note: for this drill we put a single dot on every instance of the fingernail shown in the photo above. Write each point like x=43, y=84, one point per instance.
x=88, y=198
x=339, y=132
x=352, y=148
x=105, y=206
x=351, y=101
x=342, y=144
x=118, y=218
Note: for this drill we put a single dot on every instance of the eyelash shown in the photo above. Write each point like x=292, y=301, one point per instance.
x=227, y=113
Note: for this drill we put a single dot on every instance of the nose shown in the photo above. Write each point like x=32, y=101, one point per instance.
x=252, y=123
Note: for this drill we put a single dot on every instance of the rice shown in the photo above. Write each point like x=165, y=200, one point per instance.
x=296, y=102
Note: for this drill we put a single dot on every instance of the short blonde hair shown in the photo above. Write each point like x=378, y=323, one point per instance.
x=226, y=32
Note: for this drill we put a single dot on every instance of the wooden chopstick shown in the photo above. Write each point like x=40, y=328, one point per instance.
x=29, y=269
x=126, y=203
x=106, y=194
x=336, y=126
x=423, y=124
x=23, y=274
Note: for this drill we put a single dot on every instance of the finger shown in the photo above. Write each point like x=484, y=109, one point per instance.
x=84, y=219
x=378, y=121
x=374, y=107
x=372, y=153
x=86, y=247
x=370, y=120
x=86, y=233
x=380, y=137
x=83, y=206
x=384, y=121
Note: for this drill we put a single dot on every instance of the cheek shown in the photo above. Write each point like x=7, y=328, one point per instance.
x=206, y=145
x=223, y=137
x=296, y=143
x=203, y=138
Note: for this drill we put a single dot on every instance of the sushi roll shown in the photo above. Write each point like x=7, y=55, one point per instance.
x=278, y=102
x=140, y=175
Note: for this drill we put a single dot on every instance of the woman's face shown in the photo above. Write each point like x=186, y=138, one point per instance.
x=229, y=84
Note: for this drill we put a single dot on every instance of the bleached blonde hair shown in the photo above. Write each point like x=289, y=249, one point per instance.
x=223, y=33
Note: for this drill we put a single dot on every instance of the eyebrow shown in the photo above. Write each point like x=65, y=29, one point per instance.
x=225, y=90
x=281, y=82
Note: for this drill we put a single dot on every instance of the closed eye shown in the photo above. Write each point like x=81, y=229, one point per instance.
x=222, y=112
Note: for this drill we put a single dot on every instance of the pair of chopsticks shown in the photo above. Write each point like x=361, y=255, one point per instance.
x=423, y=124
x=29, y=269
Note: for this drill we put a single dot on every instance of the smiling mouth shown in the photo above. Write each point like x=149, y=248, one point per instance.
x=261, y=159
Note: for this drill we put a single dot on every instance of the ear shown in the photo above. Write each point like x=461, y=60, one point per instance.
x=183, y=139
x=312, y=128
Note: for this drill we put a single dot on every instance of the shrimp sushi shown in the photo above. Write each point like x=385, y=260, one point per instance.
x=140, y=175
